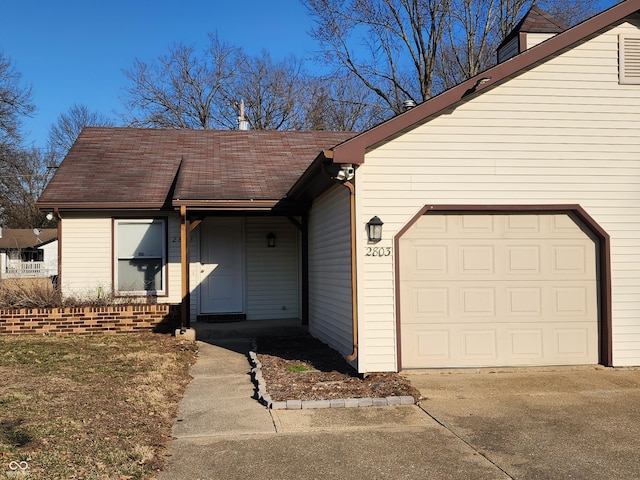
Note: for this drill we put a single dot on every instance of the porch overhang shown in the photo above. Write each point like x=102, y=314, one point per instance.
x=249, y=206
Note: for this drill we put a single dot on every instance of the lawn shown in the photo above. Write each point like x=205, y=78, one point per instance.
x=90, y=407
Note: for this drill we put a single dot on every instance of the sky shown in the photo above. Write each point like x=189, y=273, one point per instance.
x=72, y=51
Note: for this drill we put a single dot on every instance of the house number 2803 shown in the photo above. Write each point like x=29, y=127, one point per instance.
x=378, y=252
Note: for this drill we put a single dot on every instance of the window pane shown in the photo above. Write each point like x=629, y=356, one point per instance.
x=140, y=274
x=140, y=239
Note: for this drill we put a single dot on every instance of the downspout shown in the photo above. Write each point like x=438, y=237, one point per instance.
x=58, y=216
x=354, y=283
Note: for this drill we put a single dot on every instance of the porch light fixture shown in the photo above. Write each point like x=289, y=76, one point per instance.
x=271, y=240
x=374, y=230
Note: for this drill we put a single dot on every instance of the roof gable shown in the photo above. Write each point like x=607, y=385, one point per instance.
x=353, y=150
x=17, y=238
x=535, y=20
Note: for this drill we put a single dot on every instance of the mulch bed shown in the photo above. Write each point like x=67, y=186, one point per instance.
x=304, y=368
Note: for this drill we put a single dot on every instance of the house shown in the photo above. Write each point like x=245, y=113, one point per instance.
x=29, y=253
x=496, y=224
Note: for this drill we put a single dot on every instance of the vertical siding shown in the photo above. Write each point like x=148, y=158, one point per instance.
x=272, y=273
x=330, y=269
x=564, y=132
x=87, y=260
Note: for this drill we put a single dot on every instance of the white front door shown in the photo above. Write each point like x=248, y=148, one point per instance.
x=221, y=257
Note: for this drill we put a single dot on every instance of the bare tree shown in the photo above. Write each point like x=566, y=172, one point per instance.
x=64, y=132
x=15, y=102
x=410, y=49
x=475, y=28
x=390, y=45
x=186, y=90
x=341, y=103
x=182, y=88
x=273, y=93
x=23, y=176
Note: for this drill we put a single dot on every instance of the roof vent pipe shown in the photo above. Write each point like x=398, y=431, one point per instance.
x=243, y=124
x=408, y=105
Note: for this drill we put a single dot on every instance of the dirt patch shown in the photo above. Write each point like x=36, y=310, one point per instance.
x=304, y=368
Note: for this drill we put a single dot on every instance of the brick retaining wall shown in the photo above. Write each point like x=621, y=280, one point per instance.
x=90, y=320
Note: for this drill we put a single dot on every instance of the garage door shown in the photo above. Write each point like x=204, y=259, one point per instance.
x=497, y=290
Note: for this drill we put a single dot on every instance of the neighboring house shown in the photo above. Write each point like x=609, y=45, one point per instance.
x=28, y=253
x=510, y=212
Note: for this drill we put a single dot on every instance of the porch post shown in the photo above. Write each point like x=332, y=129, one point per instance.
x=305, y=268
x=184, y=263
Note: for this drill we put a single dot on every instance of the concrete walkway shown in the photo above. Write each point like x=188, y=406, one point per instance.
x=223, y=433
x=473, y=424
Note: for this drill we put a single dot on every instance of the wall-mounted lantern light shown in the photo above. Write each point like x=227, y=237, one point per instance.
x=374, y=230
x=271, y=240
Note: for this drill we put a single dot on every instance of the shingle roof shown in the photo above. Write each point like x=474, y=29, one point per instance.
x=128, y=167
x=116, y=166
x=249, y=165
x=14, y=238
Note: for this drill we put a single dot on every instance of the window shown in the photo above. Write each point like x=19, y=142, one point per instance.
x=140, y=258
x=629, y=47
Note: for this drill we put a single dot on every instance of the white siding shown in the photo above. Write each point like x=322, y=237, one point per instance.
x=533, y=39
x=563, y=132
x=50, y=254
x=194, y=274
x=272, y=273
x=87, y=262
x=330, y=270
x=86, y=255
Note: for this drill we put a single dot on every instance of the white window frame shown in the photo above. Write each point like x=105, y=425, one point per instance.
x=117, y=223
x=629, y=59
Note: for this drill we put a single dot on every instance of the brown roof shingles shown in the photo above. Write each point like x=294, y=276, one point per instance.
x=131, y=167
x=249, y=165
x=16, y=238
x=115, y=166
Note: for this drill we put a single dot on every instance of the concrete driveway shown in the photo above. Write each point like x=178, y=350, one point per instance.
x=581, y=423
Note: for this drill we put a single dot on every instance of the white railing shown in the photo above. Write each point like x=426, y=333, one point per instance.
x=18, y=269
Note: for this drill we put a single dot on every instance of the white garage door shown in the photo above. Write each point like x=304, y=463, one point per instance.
x=498, y=290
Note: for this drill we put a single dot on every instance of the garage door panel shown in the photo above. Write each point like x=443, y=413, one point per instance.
x=510, y=344
x=507, y=259
x=491, y=290
x=502, y=301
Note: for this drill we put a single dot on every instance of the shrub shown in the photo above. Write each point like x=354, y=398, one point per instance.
x=41, y=293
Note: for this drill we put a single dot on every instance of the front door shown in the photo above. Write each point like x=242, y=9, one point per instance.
x=221, y=257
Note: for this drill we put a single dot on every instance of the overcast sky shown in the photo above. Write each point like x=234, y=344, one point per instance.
x=72, y=51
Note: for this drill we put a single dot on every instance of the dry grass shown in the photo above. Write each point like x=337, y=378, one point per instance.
x=98, y=407
x=40, y=293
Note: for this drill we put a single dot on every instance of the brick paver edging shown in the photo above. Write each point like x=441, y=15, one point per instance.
x=264, y=398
